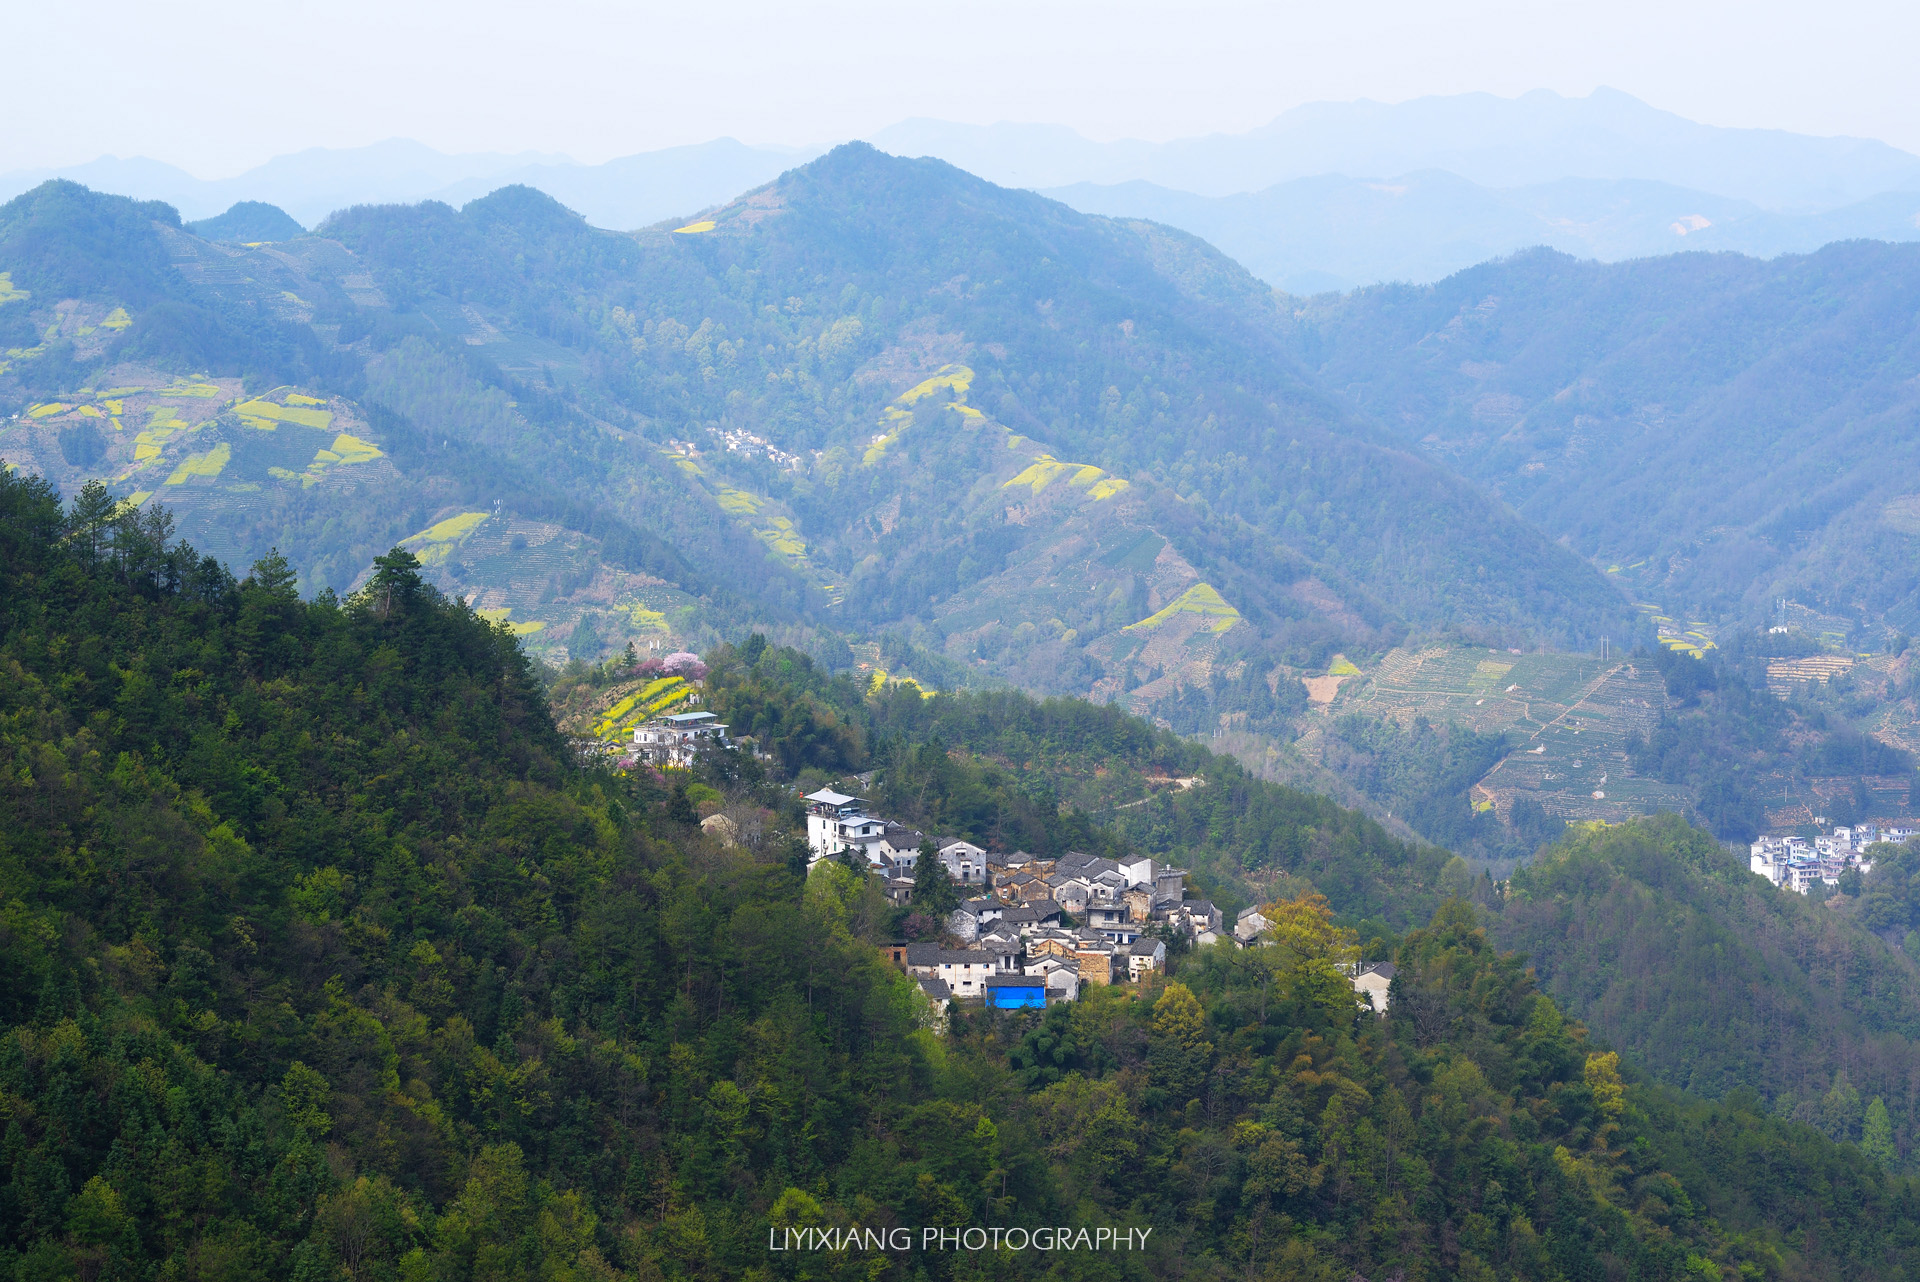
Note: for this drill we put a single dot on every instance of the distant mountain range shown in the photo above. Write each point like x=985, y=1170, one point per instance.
x=633, y=191
x=1328, y=196
x=1651, y=417
x=882, y=402
x=1331, y=196
x=1312, y=235
x=1539, y=137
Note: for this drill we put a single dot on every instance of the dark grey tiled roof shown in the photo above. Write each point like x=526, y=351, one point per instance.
x=934, y=955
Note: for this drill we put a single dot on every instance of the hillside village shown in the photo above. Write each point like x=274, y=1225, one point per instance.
x=1027, y=930
x=1796, y=863
x=1033, y=928
x=1030, y=929
x=1036, y=930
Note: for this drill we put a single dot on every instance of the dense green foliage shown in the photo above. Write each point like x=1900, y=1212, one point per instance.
x=1890, y=896
x=1715, y=981
x=248, y=221
x=329, y=963
x=1055, y=775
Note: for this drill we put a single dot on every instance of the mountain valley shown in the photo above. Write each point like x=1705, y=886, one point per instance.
x=1442, y=642
x=1083, y=456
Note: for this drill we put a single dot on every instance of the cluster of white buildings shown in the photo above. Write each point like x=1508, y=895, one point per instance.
x=1017, y=950
x=1797, y=862
x=1012, y=925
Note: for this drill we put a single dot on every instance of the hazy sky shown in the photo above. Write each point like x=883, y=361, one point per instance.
x=216, y=87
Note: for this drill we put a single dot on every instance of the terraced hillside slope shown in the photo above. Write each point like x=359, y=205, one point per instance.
x=875, y=398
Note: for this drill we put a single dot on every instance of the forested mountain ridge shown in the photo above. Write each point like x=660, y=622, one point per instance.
x=1718, y=432
x=225, y=376
x=1717, y=982
x=340, y=967
x=697, y=411
x=1127, y=348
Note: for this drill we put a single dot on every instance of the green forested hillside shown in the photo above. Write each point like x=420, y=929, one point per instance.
x=883, y=404
x=329, y=962
x=1064, y=774
x=1717, y=982
x=1725, y=431
x=875, y=397
x=1650, y=931
x=248, y=222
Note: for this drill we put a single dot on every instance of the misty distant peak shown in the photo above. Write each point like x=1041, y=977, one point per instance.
x=1537, y=137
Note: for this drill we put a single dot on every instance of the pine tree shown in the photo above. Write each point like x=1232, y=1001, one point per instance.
x=395, y=584
x=1876, y=1135
x=269, y=609
x=1840, y=1110
x=933, y=891
x=93, y=511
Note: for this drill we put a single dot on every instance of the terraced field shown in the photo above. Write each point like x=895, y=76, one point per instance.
x=1570, y=716
x=767, y=520
x=899, y=416
x=642, y=701
x=218, y=458
x=544, y=581
x=1785, y=676
x=293, y=468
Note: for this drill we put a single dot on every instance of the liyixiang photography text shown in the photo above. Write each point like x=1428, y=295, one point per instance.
x=976, y=1238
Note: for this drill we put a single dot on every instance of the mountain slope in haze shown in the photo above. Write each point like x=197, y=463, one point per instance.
x=248, y=221
x=1312, y=235
x=877, y=395
x=630, y=191
x=1118, y=346
x=1538, y=137
x=1721, y=432
x=145, y=340
x=1112, y=346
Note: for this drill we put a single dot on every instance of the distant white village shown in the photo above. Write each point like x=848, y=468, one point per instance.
x=1796, y=863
